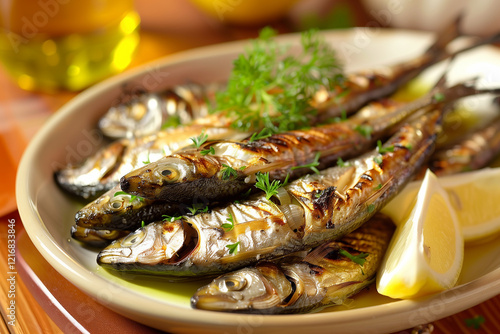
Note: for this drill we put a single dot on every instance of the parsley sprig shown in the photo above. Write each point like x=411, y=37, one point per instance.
x=358, y=259
x=132, y=197
x=270, y=188
x=233, y=248
x=199, y=140
x=229, y=226
x=270, y=88
x=228, y=172
x=311, y=165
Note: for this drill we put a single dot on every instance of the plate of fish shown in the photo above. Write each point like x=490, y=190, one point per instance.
x=189, y=220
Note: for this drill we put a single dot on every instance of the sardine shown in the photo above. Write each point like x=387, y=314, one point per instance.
x=306, y=213
x=474, y=151
x=145, y=113
x=102, y=171
x=116, y=210
x=325, y=276
x=194, y=172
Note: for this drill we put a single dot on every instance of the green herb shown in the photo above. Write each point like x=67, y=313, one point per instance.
x=319, y=194
x=370, y=208
x=311, y=165
x=171, y=122
x=364, y=130
x=168, y=218
x=264, y=133
x=198, y=208
x=242, y=168
x=228, y=227
x=270, y=188
x=143, y=223
x=233, y=248
x=475, y=322
x=358, y=259
x=378, y=159
x=228, y=171
x=342, y=163
x=378, y=187
x=409, y=147
x=270, y=88
x=439, y=97
x=132, y=197
x=198, y=141
x=382, y=149
x=211, y=150
x=343, y=117
x=148, y=161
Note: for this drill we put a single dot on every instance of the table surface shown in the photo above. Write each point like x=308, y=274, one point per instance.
x=45, y=301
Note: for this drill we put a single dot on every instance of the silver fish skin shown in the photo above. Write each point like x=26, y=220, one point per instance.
x=324, y=277
x=145, y=113
x=474, y=151
x=102, y=170
x=96, y=238
x=192, y=173
x=116, y=210
x=305, y=214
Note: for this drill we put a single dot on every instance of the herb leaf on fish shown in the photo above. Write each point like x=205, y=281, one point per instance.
x=311, y=165
x=270, y=188
x=264, y=133
x=226, y=226
x=168, y=218
x=211, y=150
x=198, y=208
x=364, y=130
x=358, y=259
x=233, y=248
x=132, y=197
x=228, y=172
x=342, y=163
x=270, y=88
x=382, y=149
x=199, y=140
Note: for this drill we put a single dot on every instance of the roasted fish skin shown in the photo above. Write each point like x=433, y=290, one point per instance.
x=475, y=151
x=145, y=113
x=116, y=210
x=96, y=238
x=189, y=173
x=324, y=277
x=102, y=171
x=311, y=210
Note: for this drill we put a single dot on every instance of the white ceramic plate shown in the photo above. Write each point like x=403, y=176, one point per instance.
x=47, y=213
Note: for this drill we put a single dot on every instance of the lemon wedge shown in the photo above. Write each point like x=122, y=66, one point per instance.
x=426, y=252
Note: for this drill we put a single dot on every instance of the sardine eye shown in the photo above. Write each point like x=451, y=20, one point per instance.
x=133, y=238
x=116, y=204
x=232, y=284
x=170, y=174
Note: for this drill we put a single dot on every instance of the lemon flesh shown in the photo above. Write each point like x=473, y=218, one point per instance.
x=426, y=253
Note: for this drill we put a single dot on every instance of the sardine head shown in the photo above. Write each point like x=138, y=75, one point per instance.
x=149, y=181
x=243, y=290
x=152, y=244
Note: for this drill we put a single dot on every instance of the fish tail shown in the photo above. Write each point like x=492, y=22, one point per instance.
x=448, y=34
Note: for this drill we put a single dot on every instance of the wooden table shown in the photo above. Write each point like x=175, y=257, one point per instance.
x=45, y=301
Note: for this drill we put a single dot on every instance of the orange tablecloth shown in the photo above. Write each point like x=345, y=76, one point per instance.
x=38, y=286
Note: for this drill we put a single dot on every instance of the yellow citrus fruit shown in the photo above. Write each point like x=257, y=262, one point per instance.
x=245, y=12
x=473, y=196
x=426, y=253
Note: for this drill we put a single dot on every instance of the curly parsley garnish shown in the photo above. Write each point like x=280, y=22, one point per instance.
x=211, y=150
x=264, y=133
x=233, y=248
x=270, y=88
x=226, y=226
x=311, y=165
x=168, y=218
x=270, y=188
x=228, y=172
x=358, y=259
x=198, y=141
x=132, y=197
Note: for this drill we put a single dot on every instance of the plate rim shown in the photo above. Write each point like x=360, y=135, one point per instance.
x=489, y=284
